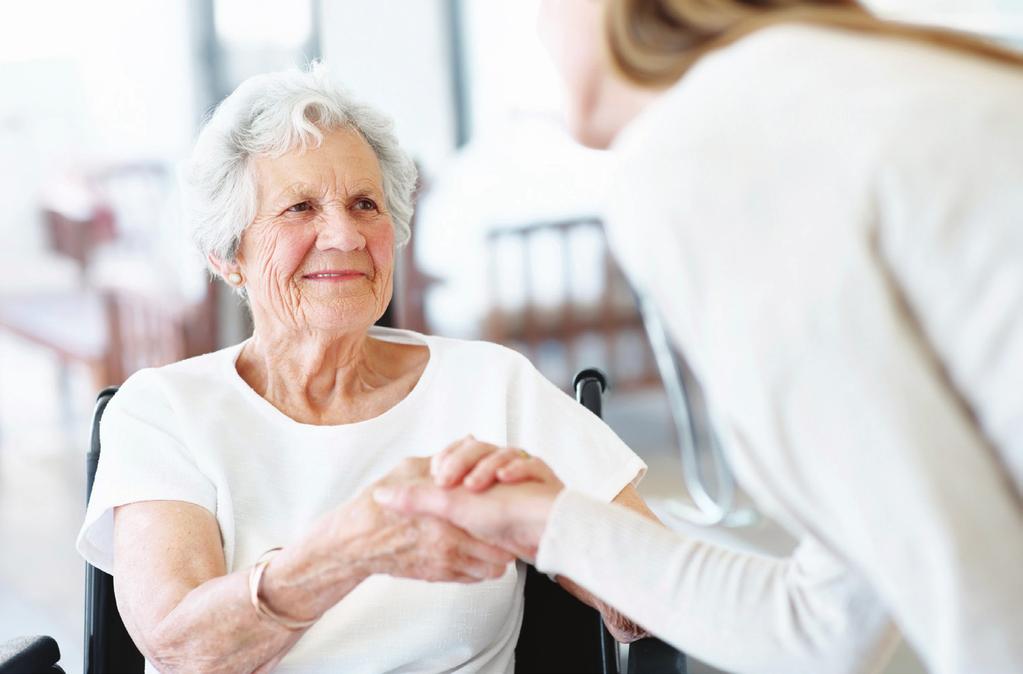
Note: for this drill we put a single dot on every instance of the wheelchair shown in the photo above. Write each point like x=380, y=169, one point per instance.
x=559, y=633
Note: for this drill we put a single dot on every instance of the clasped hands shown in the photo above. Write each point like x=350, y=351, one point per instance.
x=459, y=516
x=483, y=505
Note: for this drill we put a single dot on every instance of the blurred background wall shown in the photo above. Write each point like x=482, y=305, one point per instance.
x=100, y=101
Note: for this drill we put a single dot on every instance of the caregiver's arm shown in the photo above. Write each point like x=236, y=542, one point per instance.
x=738, y=611
x=621, y=627
x=187, y=614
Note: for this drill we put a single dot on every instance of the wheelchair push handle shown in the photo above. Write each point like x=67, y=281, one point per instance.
x=590, y=385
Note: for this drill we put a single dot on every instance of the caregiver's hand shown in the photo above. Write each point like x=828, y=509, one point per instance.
x=478, y=465
x=511, y=515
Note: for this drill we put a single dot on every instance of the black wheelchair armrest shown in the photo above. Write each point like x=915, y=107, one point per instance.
x=30, y=655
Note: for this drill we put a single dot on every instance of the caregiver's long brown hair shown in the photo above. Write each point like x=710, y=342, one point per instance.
x=654, y=42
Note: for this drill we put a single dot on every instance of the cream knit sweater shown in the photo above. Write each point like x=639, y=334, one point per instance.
x=832, y=226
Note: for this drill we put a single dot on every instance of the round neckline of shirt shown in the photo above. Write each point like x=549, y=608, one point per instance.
x=388, y=416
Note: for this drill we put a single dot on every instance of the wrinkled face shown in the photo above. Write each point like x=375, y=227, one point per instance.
x=319, y=254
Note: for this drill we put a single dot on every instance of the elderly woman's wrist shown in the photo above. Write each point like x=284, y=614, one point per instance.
x=333, y=549
x=262, y=608
x=289, y=596
x=306, y=586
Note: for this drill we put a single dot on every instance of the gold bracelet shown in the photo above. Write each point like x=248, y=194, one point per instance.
x=264, y=611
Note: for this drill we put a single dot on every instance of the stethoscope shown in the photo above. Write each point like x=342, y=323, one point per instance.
x=696, y=438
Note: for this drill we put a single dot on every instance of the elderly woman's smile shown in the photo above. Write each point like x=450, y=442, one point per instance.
x=334, y=275
x=319, y=253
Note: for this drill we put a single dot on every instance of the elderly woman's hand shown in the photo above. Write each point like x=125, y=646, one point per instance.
x=380, y=540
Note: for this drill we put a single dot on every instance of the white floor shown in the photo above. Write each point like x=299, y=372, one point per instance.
x=43, y=441
x=42, y=492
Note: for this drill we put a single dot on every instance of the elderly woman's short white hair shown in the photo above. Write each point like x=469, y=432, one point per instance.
x=270, y=115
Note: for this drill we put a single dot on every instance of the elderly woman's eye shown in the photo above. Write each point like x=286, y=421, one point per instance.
x=300, y=207
x=365, y=204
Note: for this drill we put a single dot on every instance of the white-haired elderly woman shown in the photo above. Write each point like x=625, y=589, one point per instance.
x=232, y=502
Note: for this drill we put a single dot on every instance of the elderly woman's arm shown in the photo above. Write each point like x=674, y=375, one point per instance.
x=181, y=608
x=187, y=614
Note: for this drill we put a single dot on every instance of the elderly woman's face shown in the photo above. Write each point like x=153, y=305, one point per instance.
x=319, y=253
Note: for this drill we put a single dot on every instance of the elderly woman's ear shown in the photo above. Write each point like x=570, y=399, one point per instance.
x=229, y=271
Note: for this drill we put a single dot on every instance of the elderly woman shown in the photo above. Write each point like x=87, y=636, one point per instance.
x=232, y=502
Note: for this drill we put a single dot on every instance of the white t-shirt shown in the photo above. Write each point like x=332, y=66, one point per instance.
x=831, y=225
x=194, y=431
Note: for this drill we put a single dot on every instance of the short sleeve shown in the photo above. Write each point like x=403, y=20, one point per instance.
x=143, y=458
x=584, y=452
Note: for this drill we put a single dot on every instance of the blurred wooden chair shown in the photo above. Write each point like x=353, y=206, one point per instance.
x=69, y=324
x=109, y=219
x=112, y=332
x=76, y=237
x=149, y=331
x=600, y=327
x=114, y=205
x=411, y=284
x=99, y=220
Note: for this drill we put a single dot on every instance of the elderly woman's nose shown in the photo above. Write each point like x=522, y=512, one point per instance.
x=339, y=230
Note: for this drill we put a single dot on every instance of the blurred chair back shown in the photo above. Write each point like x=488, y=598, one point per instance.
x=557, y=296
x=77, y=237
x=116, y=205
x=411, y=283
x=149, y=331
x=117, y=222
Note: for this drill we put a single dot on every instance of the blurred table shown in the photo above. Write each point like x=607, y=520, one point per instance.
x=70, y=323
